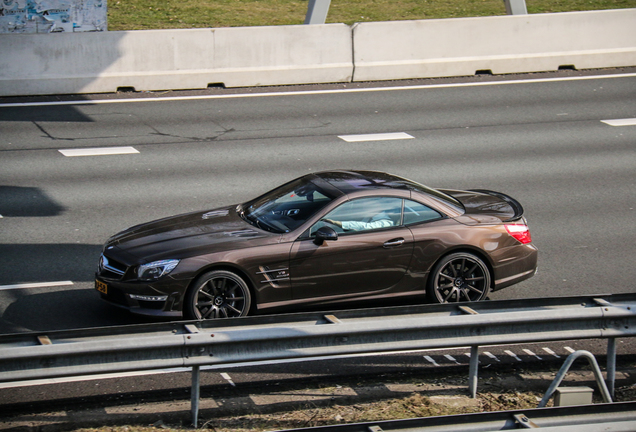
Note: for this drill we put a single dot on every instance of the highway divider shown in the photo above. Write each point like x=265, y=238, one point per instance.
x=295, y=337
x=498, y=45
x=39, y=64
x=147, y=60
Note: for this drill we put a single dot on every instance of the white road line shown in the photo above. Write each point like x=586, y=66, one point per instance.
x=39, y=382
x=552, y=353
x=492, y=356
x=104, y=151
x=530, y=353
x=315, y=92
x=227, y=378
x=430, y=360
x=513, y=355
x=376, y=137
x=451, y=358
x=36, y=285
x=620, y=122
x=568, y=349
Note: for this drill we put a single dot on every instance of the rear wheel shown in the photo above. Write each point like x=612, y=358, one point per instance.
x=459, y=277
x=217, y=294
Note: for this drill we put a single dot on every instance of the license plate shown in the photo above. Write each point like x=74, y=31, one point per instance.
x=101, y=287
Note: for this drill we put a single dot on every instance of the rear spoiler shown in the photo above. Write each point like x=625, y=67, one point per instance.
x=516, y=206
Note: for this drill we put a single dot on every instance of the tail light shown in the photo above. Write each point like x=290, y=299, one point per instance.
x=520, y=232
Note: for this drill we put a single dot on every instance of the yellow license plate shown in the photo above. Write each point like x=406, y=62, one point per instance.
x=101, y=287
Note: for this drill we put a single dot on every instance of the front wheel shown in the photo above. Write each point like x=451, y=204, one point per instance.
x=217, y=294
x=459, y=277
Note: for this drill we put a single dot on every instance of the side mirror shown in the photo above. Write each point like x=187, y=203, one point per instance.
x=325, y=233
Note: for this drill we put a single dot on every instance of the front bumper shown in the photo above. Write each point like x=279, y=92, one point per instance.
x=143, y=299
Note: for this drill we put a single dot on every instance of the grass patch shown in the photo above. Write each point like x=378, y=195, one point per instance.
x=173, y=14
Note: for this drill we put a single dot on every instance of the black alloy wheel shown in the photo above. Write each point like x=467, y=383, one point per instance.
x=459, y=277
x=217, y=294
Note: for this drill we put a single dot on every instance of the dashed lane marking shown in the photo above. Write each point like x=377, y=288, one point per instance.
x=552, y=353
x=36, y=285
x=620, y=122
x=530, y=353
x=102, y=151
x=491, y=355
x=227, y=377
x=451, y=358
x=430, y=360
x=513, y=355
x=376, y=137
x=568, y=349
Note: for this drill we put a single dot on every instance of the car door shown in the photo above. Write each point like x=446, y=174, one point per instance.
x=372, y=252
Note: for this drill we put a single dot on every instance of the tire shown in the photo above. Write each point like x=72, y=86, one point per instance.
x=217, y=294
x=458, y=277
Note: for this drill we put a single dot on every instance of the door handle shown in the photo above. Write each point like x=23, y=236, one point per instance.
x=394, y=243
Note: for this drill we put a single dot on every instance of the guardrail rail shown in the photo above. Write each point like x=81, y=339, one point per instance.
x=192, y=344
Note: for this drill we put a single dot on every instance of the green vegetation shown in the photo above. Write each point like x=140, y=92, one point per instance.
x=171, y=14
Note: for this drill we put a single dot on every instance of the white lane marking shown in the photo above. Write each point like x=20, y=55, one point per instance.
x=104, y=151
x=227, y=378
x=430, y=360
x=513, y=355
x=316, y=92
x=620, y=122
x=376, y=137
x=568, y=349
x=530, y=353
x=491, y=355
x=451, y=358
x=552, y=353
x=39, y=382
x=36, y=285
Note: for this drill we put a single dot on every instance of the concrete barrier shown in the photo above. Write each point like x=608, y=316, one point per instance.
x=38, y=64
x=174, y=59
x=503, y=44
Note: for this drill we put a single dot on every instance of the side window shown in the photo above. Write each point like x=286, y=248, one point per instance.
x=363, y=214
x=415, y=212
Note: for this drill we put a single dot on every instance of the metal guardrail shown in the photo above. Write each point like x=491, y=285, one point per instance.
x=618, y=417
x=27, y=356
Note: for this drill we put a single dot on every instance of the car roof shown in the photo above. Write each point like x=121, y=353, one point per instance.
x=353, y=181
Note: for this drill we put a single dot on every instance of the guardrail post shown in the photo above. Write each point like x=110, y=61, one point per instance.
x=194, y=395
x=516, y=7
x=473, y=370
x=317, y=11
x=611, y=365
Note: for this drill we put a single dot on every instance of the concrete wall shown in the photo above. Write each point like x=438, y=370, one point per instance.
x=32, y=64
x=174, y=59
x=503, y=44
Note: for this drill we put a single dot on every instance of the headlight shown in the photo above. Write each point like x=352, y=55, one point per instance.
x=154, y=270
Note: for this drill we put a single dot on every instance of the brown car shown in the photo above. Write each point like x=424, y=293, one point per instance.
x=327, y=238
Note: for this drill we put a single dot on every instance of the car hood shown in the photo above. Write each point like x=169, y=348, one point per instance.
x=187, y=235
x=486, y=207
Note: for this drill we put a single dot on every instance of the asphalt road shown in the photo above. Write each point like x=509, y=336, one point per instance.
x=539, y=139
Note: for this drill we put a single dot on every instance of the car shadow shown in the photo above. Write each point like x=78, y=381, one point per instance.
x=16, y=201
x=63, y=310
x=27, y=263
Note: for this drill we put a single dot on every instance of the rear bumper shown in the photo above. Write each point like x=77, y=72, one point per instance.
x=521, y=266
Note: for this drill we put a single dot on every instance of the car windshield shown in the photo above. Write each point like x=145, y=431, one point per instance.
x=286, y=207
